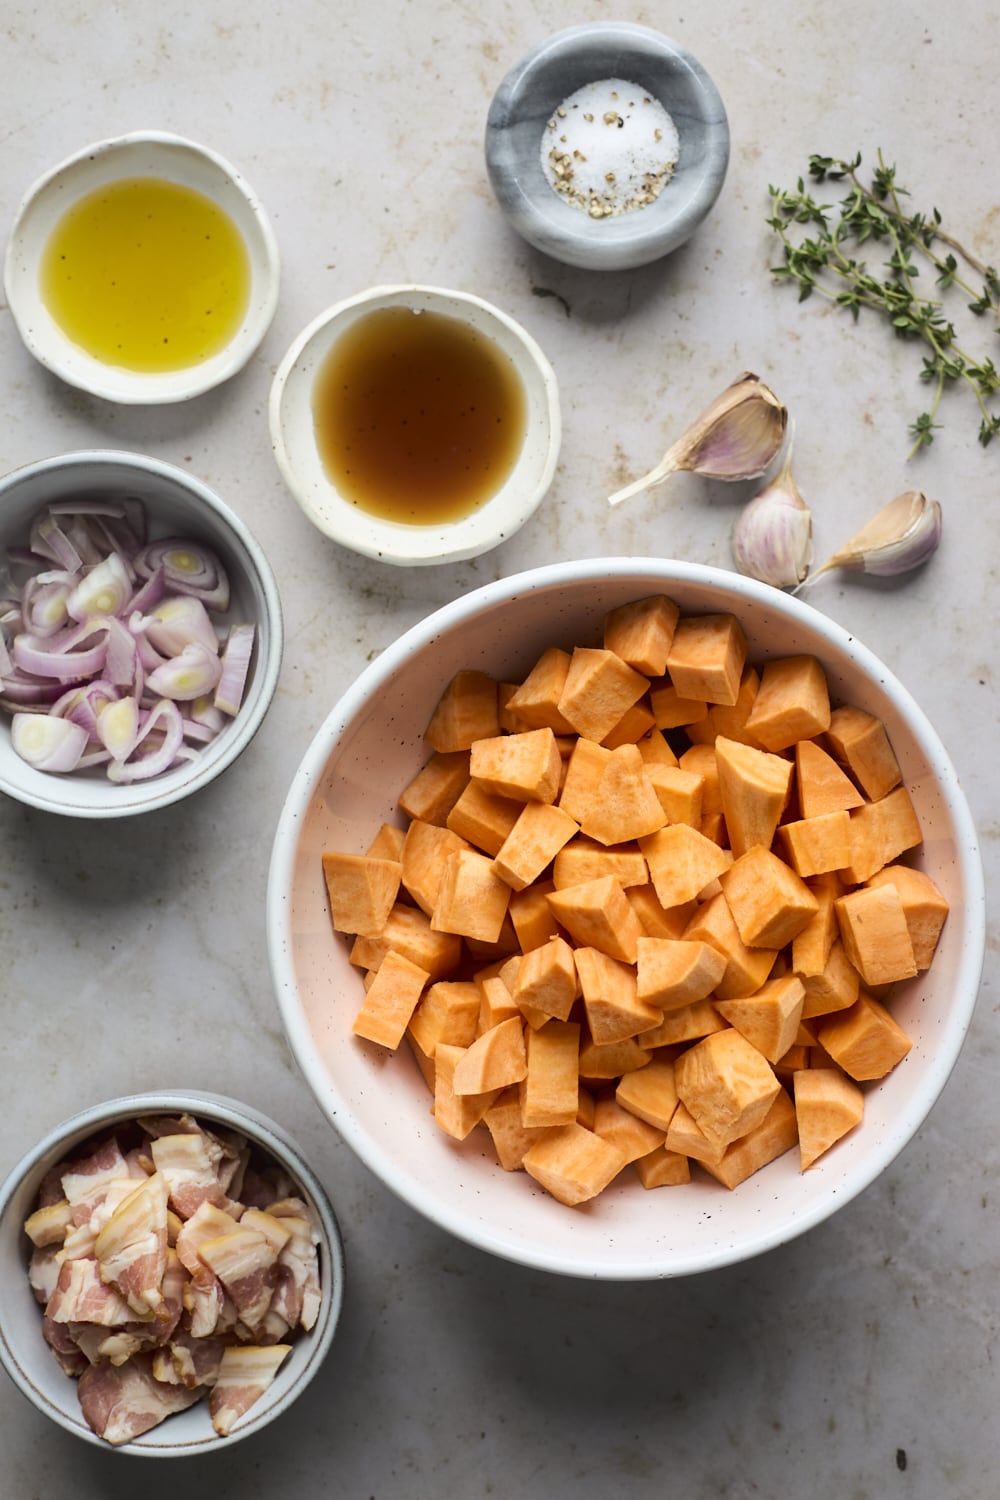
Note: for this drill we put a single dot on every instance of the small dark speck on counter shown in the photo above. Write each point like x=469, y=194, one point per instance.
x=901, y=1460
x=544, y=291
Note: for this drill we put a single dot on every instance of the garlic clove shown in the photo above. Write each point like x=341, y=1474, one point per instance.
x=736, y=437
x=901, y=537
x=772, y=536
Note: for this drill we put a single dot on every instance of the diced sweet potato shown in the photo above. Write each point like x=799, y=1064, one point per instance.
x=472, y=899
x=495, y=1060
x=680, y=793
x=707, y=656
x=361, y=891
x=527, y=767
x=466, y=711
x=483, y=819
x=686, y=1138
x=657, y=920
x=827, y=1106
x=880, y=832
x=390, y=1001
x=875, y=934
x=674, y=973
x=663, y=1168
x=834, y=988
x=599, y=688
x=583, y=859
x=534, y=841
x=816, y=846
x=387, y=843
x=866, y=1041
x=583, y=777
x=511, y=1139
x=626, y=805
x=727, y=1085
x=408, y=931
x=671, y=711
x=655, y=750
x=650, y=1092
x=634, y=724
x=573, y=1164
x=547, y=982
x=792, y=703
x=700, y=761
x=457, y=1114
x=924, y=908
x=859, y=741
x=614, y=1010
x=531, y=915
x=436, y=788
x=496, y=1003
x=822, y=786
x=753, y=787
x=681, y=863
x=601, y=1063
x=770, y=1018
x=746, y=968
x=633, y=1136
x=596, y=914
x=811, y=947
x=448, y=1013
x=536, y=701
x=549, y=1089
x=641, y=633
x=776, y=1134
x=686, y=1024
x=769, y=902
x=426, y=849
x=729, y=720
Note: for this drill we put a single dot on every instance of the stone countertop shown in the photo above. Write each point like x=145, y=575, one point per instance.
x=857, y=1361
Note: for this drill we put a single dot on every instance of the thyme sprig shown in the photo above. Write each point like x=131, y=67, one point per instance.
x=821, y=243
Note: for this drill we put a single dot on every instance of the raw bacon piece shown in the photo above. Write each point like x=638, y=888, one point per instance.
x=190, y=1171
x=131, y=1249
x=85, y=1182
x=81, y=1296
x=244, y=1375
x=244, y=1262
x=298, y=1293
x=43, y=1272
x=193, y=1361
x=204, y=1295
x=48, y=1226
x=119, y=1402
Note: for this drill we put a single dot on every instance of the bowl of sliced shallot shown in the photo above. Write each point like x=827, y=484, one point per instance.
x=140, y=634
x=179, y=1273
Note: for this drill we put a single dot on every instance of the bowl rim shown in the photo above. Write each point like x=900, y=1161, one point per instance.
x=270, y=1136
x=134, y=387
x=148, y=796
x=388, y=541
x=307, y=778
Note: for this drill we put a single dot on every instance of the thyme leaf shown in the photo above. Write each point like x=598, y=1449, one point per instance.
x=821, y=244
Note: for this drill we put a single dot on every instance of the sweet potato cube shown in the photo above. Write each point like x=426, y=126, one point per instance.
x=496, y=1003
x=436, y=788
x=510, y=722
x=483, y=819
x=573, y=1164
x=633, y=1136
x=811, y=947
x=681, y=863
x=466, y=711
x=674, y=973
x=816, y=846
x=859, y=741
x=495, y=1060
x=387, y=843
x=753, y=787
x=827, y=1105
x=655, y=920
x=746, y=968
x=792, y=703
x=390, y=1001
x=626, y=805
x=875, y=935
x=596, y=914
x=536, y=701
x=776, y=1134
x=770, y=1018
x=834, y=988
x=447, y=1014
x=769, y=902
x=924, y=908
x=511, y=1139
x=456, y=1114
x=540, y=832
x=532, y=916
x=727, y=1085
x=650, y=1092
x=549, y=1089
x=822, y=786
x=583, y=859
x=880, y=832
x=686, y=1137
x=642, y=632
x=426, y=849
x=362, y=891
x=700, y=761
x=600, y=1063
x=547, y=981
x=866, y=1041
x=583, y=777
x=679, y=792
x=408, y=931
x=792, y=1061
x=634, y=724
x=614, y=1010
x=672, y=711
x=706, y=657
x=663, y=1168
x=686, y=1024
x=730, y=719
x=425, y=1064
x=527, y=767
x=655, y=750
x=599, y=688
x=472, y=899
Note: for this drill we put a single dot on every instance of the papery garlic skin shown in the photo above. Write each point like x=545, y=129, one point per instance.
x=736, y=437
x=901, y=537
x=772, y=536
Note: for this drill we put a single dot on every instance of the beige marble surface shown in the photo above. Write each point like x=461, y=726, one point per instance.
x=858, y=1362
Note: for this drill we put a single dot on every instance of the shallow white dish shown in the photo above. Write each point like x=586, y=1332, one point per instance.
x=27, y=1358
x=177, y=504
x=293, y=434
x=146, y=153
x=367, y=750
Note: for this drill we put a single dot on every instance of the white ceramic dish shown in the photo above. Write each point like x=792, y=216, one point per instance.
x=177, y=504
x=29, y=1361
x=367, y=750
x=294, y=440
x=147, y=153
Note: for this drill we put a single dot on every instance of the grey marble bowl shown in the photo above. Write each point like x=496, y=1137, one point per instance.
x=534, y=89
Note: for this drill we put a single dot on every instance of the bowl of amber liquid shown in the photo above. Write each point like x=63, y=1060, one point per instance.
x=416, y=425
x=143, y=269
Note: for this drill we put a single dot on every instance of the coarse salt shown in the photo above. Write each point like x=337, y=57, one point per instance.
x=610, y=148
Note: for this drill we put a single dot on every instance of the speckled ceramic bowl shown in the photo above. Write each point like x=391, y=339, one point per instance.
x=144, y=153
x=535, y=88
x=177, y=504
x=368, y=750
x=29, y=1361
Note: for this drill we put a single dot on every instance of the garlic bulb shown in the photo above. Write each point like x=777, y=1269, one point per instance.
x=736, y=437
x=902, y=536
x=772, y=536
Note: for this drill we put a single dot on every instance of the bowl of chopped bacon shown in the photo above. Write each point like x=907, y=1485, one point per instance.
x=180, y=1273
x=140, y=634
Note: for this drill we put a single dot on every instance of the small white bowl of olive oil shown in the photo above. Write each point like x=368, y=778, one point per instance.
x=416, y=425
x=143, y=269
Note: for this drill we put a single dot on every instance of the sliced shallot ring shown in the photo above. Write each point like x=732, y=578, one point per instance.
x=47, y=743
x=189, y=567
x=236, y=656
x=139, y=767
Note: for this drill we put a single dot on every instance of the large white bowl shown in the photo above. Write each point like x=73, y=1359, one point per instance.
x=369, y=748
x=24, y=1353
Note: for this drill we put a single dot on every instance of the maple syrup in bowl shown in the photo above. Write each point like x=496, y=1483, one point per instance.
x=416, y=425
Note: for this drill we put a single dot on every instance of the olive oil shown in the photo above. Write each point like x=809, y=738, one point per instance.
x=418, y=418
x=146, y=274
